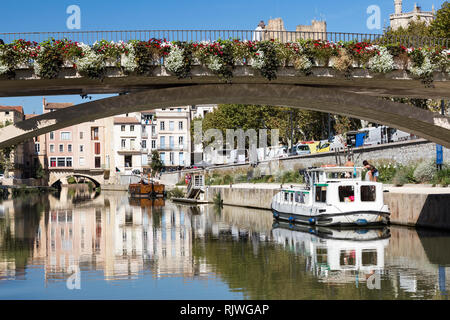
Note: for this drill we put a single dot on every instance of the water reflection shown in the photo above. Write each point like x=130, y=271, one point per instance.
x=237, y=252
x=338, y=256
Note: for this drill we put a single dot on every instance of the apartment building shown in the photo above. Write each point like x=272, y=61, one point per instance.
x=173, y=136
x=127, y=146
x=79, y=147
x=22, y=157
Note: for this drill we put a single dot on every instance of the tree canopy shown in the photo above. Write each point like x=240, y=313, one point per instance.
x=307, y=125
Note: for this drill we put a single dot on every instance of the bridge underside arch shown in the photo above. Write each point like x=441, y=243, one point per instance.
x=57, y=177
x=423, y=123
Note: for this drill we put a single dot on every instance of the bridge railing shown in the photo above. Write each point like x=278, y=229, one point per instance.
x=90, y=37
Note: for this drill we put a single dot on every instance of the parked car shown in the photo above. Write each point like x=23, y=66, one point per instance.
x=323, y=146
x=302, y=149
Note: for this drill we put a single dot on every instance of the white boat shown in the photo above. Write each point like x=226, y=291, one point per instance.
x=332, y=196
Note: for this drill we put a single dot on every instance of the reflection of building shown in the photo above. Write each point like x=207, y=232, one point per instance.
x=401, y=19
x=121, y=239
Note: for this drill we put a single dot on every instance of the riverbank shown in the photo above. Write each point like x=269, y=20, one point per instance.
x=416, y=205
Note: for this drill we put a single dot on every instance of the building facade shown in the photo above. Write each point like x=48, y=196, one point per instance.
x=401, y=19
x=78, y=149
x=173, y=136
x=22, y=157
x=128, y=150
x=276, y=30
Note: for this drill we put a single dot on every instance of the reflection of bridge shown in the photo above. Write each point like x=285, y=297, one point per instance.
x=326, y=90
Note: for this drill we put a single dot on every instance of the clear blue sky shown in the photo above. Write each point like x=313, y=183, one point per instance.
x=50, y=15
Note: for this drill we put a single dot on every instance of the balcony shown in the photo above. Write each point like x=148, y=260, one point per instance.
x=172, y=147
x=133, y=149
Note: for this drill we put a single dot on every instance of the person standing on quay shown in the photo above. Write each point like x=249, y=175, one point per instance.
x=257, y=35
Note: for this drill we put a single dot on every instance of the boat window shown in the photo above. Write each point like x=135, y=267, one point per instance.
x=292, y=197
x=286, y=196
x=299, y=197
x=368, y=193
x=341, y=175
x=321, y=194
x=348, y=258
x=346, y=194
x=369, y=257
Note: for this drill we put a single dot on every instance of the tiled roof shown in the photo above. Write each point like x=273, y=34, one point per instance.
x=57, y=105
x=126, y=120
x=12, y=108
x=29, y=116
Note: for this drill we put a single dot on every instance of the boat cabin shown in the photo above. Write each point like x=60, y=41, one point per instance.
x=335, y=185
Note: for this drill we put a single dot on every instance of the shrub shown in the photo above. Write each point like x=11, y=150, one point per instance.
x=240, y=178
x=175, y=193
x=71, y=180
x=227, y=179
x=425, y=171
x=442, y=177
x=386, y=170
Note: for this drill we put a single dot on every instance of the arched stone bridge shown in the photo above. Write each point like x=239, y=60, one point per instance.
x=354, y=98
x=62, y=175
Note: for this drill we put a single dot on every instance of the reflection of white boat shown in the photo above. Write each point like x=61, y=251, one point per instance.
x=332, y=196
x=339, y=255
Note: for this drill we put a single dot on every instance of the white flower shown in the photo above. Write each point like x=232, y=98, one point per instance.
x=167, y=45
x=128, y=61
x=175, y=60
x=302, y=63
x=3, y=68
x=90, y=60
x=425, y=69
x=382, y=62
x=258, y=62
x=214, y=63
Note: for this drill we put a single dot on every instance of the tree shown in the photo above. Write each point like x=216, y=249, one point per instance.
x=415, y=28
x=39, y=172
x=156, y=163
x=307, y=125
x=440, y=27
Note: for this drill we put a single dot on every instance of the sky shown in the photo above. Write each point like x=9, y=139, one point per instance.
x=51, y=16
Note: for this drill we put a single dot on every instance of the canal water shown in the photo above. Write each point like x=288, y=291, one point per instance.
x=82, y=245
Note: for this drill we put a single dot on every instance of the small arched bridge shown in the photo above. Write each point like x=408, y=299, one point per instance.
x=355, y=93
x=62, y=175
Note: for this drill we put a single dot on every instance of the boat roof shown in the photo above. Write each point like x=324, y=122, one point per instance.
x=335, y=169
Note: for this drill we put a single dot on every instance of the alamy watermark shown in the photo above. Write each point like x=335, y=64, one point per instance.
x=74, y=281
x=374, y=20
x=73, y=22
x=212, y=142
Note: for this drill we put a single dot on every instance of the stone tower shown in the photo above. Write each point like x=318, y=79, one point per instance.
x=398, y=6
x=402, y=19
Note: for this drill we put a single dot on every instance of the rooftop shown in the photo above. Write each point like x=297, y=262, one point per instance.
x=57, y=105
x=12, y=108
x=126, y=120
